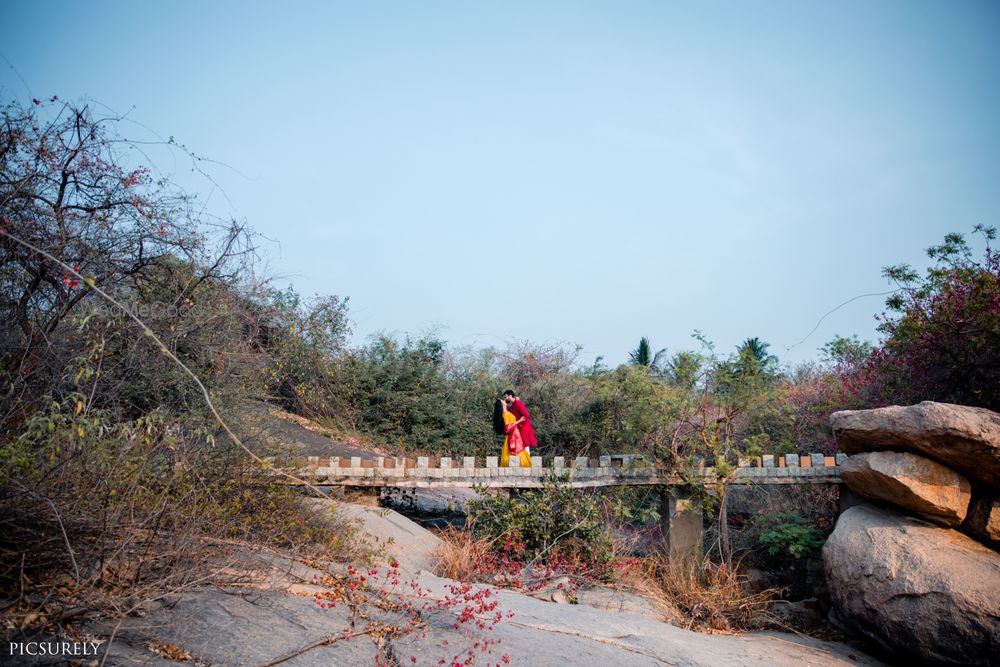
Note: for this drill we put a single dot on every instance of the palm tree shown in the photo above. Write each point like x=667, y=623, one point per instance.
x=643, y=356
x=753, y=358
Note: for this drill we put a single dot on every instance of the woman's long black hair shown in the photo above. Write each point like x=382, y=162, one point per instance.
x=498, y=425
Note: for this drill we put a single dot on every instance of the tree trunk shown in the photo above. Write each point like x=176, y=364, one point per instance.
x=724, y=548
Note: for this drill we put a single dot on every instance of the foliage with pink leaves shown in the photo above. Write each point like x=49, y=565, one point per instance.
x=942, y=331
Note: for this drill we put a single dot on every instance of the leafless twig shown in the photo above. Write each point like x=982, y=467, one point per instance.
x=72, y=556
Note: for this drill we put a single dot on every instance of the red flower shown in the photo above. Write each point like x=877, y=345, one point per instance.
x=70, y=281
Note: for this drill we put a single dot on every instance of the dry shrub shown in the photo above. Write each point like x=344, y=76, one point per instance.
x=696, y=594
x=699, y=595
x=708, y=595
x=461, y=555
x=97, y=514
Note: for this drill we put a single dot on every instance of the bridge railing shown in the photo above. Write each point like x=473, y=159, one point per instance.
x=608, y=470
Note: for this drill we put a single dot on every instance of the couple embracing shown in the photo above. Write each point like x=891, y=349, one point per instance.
x=512, y=420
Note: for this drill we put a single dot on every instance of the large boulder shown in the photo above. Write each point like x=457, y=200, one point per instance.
x=387, y=532
x=916, y=484
x=966, y=439
x=914, y=587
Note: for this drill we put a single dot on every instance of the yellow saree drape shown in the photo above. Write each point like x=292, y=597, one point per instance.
x=524, y=458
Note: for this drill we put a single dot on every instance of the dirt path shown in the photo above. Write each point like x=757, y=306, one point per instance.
x=274, y=432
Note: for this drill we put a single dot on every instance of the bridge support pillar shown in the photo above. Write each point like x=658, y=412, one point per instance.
x=681, y=523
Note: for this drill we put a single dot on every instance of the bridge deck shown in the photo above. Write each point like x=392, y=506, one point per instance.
x=612, y=470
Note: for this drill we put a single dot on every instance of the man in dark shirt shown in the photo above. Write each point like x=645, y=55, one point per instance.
x=523, y=423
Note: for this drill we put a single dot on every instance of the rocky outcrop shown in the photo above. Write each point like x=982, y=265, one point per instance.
x=966, y=439
x=914, y=587
x=917, y=588
x=393, y=535
x=269, y=614
x=983, y=521
x=262, y=626
x=913, y=483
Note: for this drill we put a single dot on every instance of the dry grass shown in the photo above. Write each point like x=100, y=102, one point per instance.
x=460, y=556
x=694, y=594
x=709, y=596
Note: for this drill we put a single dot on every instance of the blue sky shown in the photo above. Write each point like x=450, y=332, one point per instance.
x=579, y=172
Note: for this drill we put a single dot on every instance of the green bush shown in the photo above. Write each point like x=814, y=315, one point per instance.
x=631, y=410
x=400, y=393
x=554, y=524
x=788, y=534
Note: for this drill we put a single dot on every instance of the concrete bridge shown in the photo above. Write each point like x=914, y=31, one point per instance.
x=581, y=472
x=681, y=517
